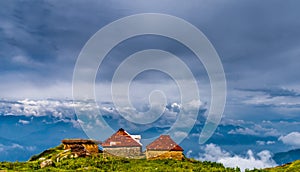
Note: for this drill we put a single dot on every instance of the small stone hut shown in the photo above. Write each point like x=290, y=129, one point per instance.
x=123, y=144
x=164, y=148
x=81, y=146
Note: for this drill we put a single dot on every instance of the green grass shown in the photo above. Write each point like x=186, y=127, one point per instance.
x=99, y=163
x=290, y=167
x=49, y=153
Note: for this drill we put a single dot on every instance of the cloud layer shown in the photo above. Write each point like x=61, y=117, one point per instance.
x=292, y=138
x=214, y=153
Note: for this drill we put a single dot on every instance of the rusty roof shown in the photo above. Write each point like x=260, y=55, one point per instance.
x=79, y=141
x=121, y=139
x=164, y=142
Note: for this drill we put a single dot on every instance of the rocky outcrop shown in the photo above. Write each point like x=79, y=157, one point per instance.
x=46, y=163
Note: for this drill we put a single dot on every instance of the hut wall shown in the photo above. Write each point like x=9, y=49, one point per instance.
x=128, y=152
x=153, y=154
x=90, y=148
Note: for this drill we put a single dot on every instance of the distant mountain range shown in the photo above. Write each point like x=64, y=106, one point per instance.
x=20, y=139
x=287, y=157
x=28, y=127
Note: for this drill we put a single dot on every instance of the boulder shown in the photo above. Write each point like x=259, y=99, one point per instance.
x=46, y=163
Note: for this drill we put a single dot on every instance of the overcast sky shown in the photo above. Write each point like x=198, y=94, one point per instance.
x=258, y=43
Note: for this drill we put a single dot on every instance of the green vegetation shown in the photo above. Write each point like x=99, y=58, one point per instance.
x=49, y=153
x=290, y=167
x=99, y=163
x=65, y=161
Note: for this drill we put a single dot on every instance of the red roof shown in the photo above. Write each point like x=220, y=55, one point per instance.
x=121, y=139
x=164, y=142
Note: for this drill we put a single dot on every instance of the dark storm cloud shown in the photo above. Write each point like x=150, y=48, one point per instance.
x=258, y=42
x=275, y=92
x=47, y=33
x=249, y=36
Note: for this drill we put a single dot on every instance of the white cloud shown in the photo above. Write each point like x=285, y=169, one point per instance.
x=64, y=111
x=4, y=148
x=249, y=161
x=213, y=153
x=30, y=148
x=270, y=142
x=243, y=131
x=28, y=107
x=20, y=59
x=61, y=110
x=196, y=104
x=256, y=130
x=180, y=134
x=260, y=142
x=292, y=138
x=262, y=98
x=25, y=61
x=188, y=154
x=266, y=131
x=14, y=145
x=239, y=122
x=24, y=122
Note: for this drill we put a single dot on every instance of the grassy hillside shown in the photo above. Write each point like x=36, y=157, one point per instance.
x=64, y=161
x=290, y=167
x=107, y=164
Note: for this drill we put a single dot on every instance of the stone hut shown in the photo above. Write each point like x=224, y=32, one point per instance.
x=81, y=147
x=123, y=144
x=164, y=148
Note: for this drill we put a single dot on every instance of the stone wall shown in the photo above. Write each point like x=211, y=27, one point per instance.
x=128, y=152
x=178, y=155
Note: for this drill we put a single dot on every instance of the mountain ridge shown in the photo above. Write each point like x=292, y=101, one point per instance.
x=286, y=157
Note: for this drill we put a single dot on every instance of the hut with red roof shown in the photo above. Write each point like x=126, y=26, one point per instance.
x=164, y=148
x=123, y=144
